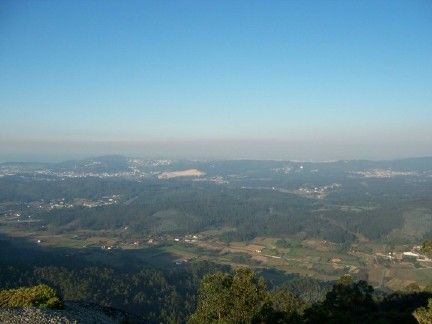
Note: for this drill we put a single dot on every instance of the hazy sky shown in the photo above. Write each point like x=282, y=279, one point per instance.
x=252, y=79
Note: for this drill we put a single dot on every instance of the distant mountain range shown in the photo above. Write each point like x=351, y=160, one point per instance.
x=126, y=166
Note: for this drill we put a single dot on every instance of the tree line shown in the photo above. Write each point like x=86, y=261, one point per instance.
x=242, y=297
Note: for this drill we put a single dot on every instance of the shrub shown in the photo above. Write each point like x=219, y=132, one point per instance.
x=423, y=315
x=41, y=296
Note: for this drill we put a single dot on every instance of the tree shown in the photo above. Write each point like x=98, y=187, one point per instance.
x=283, y=307
x=242, y=297
x=347, y=302
x=283, y=300
x=226, y=298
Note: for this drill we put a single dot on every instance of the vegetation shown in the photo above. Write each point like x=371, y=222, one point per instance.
x=424, y=314
x=152, y=295
x=41, y=296
x=347, y=301
x=242, y=297
x=181, y=207
x=427, y=247
x=205, y=292
x=226, y=298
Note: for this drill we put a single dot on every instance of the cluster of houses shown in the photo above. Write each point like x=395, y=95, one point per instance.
x=414, y=255
x=104, y=201
x=190, y=238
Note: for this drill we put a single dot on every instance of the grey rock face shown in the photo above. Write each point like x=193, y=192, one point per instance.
x=74, y=312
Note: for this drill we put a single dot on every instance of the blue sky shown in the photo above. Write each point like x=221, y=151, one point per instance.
x=354, y=77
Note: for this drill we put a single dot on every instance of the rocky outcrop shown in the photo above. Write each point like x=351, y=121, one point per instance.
x=74, y=312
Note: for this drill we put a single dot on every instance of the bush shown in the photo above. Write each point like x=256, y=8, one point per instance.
x=283, y=244
x=427, y=247
x=41, y=296
x=423, y=315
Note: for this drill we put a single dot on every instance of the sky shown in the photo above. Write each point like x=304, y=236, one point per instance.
x=298, y=80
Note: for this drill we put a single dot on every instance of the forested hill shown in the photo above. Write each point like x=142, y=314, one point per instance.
x=119, y=163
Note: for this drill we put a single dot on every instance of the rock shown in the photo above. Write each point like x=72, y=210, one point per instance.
x=74, y=312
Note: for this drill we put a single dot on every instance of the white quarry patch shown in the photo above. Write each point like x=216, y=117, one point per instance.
x=182, y=173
